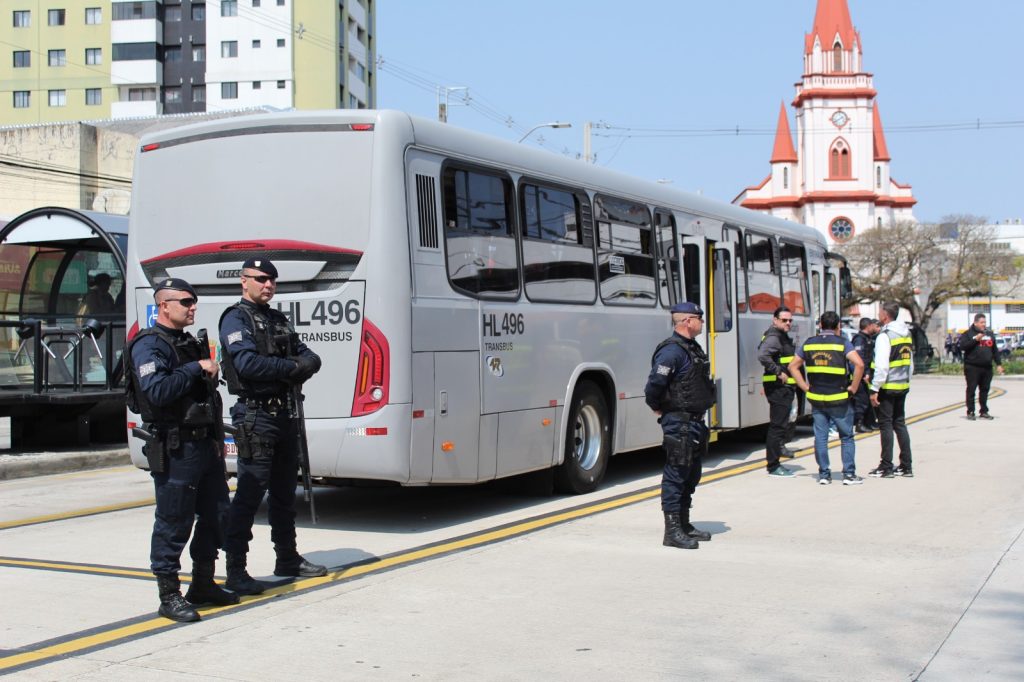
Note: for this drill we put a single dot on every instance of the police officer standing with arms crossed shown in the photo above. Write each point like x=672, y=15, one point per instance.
x=172, y=383
x=679, y=390
x=775, y=352
x=258, y=369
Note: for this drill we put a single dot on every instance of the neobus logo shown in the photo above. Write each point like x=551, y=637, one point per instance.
x=228, y=274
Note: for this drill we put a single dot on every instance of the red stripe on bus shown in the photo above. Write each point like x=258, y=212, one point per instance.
x=263, y=244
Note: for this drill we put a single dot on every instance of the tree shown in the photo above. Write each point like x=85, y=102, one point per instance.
x=922, y=266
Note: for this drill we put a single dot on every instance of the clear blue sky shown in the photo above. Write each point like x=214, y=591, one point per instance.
x=687, y=64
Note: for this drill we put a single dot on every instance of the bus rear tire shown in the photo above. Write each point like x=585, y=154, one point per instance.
x=587, y=442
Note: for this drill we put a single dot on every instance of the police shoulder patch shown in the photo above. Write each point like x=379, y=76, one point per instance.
x=234, y=337
x=147, y=369
x=664, y=370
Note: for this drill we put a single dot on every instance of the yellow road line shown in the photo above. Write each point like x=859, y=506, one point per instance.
x=152, y=625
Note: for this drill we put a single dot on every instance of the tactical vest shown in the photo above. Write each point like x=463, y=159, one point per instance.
x=901, y=350
x=786, y=357
x=825, y=362
x=270, y=330
x=692, y=391
x=195, y=408
x=869, y=345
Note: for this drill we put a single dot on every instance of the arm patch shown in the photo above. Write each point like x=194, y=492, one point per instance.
x=147, y=369
x=234, y=337
x=664, y=370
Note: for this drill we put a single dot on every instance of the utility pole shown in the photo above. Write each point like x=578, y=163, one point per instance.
x=586, y=143
x=444, y=100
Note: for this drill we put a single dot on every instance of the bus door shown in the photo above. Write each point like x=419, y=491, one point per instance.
x=722, y=329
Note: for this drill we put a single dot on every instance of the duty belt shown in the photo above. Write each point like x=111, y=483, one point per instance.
x=193, y=432
x=273, y=405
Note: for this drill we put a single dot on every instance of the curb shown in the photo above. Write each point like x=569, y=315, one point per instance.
x=42, y=464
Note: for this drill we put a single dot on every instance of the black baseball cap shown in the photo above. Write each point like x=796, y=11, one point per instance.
x=687, y=308
x=261, y=264
x=175, y=284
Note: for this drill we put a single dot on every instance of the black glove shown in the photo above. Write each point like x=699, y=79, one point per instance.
x=305, y=367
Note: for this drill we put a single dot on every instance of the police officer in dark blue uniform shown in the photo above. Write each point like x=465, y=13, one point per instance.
x=680, y=390
x=258, y=368
x=172, y=384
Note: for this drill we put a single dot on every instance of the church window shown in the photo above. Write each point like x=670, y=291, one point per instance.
x=785, y=178
x=839, y=161
x=841, y=230
x=878, y=177
x=837, y=57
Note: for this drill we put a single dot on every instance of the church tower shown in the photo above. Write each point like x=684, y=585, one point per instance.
x=836, y=178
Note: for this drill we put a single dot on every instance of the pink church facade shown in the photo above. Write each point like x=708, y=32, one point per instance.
x=836, y=176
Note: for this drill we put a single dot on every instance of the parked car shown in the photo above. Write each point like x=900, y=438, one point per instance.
x=1004, y=346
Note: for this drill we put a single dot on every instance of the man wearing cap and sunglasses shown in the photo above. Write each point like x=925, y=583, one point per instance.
x=171, y=381
x=262, y=360
x=680, y=391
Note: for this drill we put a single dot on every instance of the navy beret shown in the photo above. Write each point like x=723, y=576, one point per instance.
x=687, y=308
x=174, y=284
x=261, y=264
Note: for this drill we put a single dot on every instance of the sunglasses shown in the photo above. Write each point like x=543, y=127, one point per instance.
x=785, y=320
x=262, y=279
x=185, y=302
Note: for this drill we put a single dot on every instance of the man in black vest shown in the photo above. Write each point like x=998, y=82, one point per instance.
x=172, y=384
x=978, y=344
x=260, y=371
x=775, y=352
x=680, y=390
x=828, y=387
x=864, y=343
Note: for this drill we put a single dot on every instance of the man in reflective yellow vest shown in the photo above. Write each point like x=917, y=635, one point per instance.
x=894, y=363
x=775, y=352
x=827, y=358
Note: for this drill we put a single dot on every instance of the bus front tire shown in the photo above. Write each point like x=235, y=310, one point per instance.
x=587, y=442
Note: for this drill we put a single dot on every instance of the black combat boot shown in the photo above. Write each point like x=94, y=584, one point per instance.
x=172, y=604
x=204, y=591
x=689, y=530
x=674, y=536
x=291, y=564
x=239, y=581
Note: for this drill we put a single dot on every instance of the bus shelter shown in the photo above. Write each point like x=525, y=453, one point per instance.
x=62, y=326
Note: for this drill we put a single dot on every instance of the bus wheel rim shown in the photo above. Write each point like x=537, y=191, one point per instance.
x=587, y=437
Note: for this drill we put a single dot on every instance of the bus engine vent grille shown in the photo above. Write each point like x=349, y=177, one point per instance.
x=427, y=207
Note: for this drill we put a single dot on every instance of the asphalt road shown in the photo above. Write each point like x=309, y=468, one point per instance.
x=920, y=578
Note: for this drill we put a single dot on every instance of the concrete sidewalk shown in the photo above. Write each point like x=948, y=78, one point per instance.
x=918, y=578
x=22, y=465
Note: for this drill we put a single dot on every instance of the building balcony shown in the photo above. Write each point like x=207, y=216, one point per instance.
x=132, y=109
x=356, y=12
x=142, y=73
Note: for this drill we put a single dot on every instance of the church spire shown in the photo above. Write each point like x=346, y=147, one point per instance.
x=832, y=23
x=783, y=150
x=881, y=151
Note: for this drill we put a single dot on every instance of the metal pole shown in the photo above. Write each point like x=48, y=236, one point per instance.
x=586, y=143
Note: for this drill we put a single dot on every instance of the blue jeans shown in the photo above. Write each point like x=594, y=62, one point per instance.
x=842, y=417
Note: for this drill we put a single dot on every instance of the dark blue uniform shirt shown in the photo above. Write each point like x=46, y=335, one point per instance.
x=161, y=378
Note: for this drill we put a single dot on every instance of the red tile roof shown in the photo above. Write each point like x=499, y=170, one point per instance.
x=881, y=151
x=783, y=150
x=832, y=17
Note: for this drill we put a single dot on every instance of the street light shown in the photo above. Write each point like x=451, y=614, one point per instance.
x=553, y=124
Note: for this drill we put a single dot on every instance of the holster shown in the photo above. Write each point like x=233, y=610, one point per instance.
x=253, y=446
x=154, y=448
x=199, y=414
x=678, y=451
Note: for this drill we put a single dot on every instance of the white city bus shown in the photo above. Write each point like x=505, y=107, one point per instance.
x=483, y=309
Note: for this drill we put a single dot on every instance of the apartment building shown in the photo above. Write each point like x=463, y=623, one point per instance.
x=95, y=59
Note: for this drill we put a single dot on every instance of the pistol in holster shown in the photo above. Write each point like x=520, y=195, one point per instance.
x=157, y=445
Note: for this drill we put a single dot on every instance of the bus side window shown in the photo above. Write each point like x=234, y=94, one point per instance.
x=794, y=278
x=625, y=252
x=741, y=270
x=479, y=242
x=558, y=246
x=691, y=272
x=723, y=290
x=668, y=259
x=762, y=275
x=816, y=292
x=830, y=293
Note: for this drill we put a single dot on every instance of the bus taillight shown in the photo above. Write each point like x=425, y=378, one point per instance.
x=373, y=375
